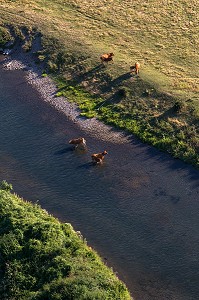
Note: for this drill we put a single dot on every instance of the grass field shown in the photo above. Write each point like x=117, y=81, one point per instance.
x=161, y=106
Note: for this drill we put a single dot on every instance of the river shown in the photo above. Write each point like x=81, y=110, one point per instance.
x=139, y=210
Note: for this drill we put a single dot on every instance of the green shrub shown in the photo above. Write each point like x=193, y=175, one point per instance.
x=41, y=258
x=4, y=36
x=5, y=186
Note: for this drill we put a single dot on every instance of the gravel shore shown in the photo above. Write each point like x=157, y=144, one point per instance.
x=47, y=89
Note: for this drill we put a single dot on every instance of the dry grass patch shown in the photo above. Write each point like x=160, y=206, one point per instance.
x=177, y=122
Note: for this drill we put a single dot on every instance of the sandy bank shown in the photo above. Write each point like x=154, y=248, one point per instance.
x=47, y=89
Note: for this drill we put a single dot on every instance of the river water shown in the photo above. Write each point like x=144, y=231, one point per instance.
x=139, y=210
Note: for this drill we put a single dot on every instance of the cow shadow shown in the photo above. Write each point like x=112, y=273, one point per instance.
x=71, y=149
x=121, y=78
x=113, y=99
x=64, y=151
x=86, y=166
x=116, y=82
x=171, y=112
x=79, y=78
x=108, y=84
x=86, y=75
x=92, y=71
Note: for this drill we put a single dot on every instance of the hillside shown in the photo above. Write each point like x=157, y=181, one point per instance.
x=161, y=105
x=43, y=259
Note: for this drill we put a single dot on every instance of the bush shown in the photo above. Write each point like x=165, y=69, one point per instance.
x=178, y=106
x=42, y=259
x=123, y=92
x=5, y=186
x=4, y=36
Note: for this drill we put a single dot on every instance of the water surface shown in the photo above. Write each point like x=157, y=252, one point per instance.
x=139, y=210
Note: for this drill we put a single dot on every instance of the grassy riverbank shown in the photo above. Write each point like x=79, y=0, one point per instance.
x=41, y=258
x=161, y=105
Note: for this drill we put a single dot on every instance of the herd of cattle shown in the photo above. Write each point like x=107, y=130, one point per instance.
x=105, y=58
x=80, y=143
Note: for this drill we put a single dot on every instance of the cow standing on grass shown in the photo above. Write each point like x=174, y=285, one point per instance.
x=135, y=68
x=105, y=58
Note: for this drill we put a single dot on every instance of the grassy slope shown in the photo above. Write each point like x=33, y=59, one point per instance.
x=164, y=41
x=43, y=259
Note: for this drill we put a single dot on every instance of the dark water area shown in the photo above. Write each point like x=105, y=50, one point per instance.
x=139, y=210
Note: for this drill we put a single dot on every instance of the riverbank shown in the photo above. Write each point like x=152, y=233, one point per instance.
x=47, y=258
x=134, y=210
x=169, y=134
x=47, y=89
x=109, y=94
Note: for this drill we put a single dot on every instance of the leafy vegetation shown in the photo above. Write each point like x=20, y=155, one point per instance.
x=4, y=36
x=43, y=259
x=161, y=105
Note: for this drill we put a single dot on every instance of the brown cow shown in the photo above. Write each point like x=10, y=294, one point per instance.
x=135, y=68
x=106, y=57
x=98, y=157
x=79, y=142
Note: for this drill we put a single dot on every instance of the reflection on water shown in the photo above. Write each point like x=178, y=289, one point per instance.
x=139, y=209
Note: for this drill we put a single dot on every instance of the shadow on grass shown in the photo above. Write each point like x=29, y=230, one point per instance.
x=168, y=113
x=87, y=75
x=115, y=97
x=115, y=82
x=77, y=79
x=108, y=83
x=121, y=78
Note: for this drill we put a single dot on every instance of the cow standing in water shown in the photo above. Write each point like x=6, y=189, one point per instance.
x=135, y=68
x=106, y=57
x=98, y=157
x=78, y=143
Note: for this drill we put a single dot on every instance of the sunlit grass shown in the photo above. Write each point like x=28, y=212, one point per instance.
x=164, y=41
